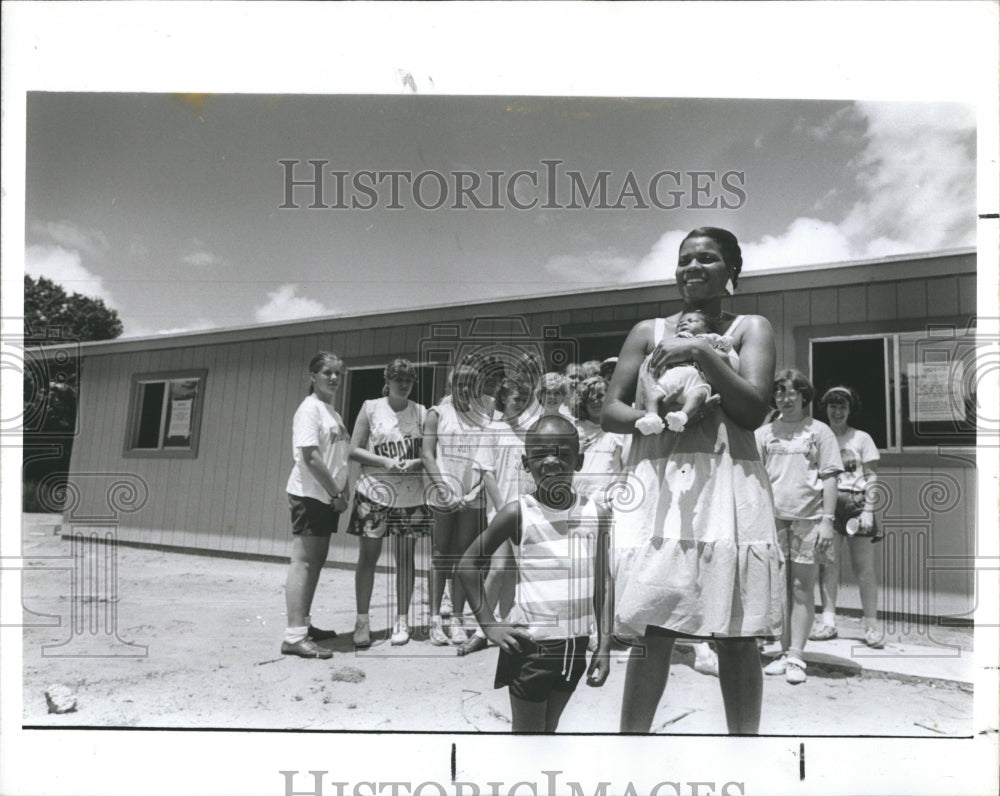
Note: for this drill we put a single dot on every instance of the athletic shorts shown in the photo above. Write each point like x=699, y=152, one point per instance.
x=311, y=517
x=540, y=668
x=797, y=539
x=376, y=520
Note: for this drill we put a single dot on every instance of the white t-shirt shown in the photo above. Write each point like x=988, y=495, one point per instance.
x=857, y=449
x=458, y=441
x=317, y=424
x=797, y=457
x=396, y=435
x=598, y=472
x=501, y=455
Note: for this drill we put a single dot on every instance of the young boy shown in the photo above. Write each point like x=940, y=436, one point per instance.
x=686, y=377
x=561, y=543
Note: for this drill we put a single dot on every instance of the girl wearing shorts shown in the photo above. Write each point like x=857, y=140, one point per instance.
x=856, y=501
x=316, y=495
x=389, y=495
x=452, y=433
x=802, y=460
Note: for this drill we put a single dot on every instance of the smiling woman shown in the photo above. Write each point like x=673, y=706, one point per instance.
x=698, y=558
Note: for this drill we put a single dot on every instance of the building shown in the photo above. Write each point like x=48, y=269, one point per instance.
x=184, y=441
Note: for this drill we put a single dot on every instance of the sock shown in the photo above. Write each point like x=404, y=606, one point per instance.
x=363, y=618
x=830, y=618
x=293, y=635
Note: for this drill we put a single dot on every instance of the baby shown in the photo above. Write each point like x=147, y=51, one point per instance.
x=664, y=380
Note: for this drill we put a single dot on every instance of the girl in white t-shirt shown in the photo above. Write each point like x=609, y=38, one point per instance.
x=602, y=450
x=389, y=495
x=855, y=518
x=316, y=495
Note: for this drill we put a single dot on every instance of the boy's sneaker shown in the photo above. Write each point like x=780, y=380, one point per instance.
x=362, y=634
x=873, y=638
x=437, y=635
x=400, y=633
x=777, y=666
x=795, y=670
x=457, y=631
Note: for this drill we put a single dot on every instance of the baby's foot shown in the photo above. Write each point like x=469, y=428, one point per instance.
x=676, y=420
x=651, y=423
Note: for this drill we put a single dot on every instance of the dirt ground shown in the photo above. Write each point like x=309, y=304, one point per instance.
x=207, y=630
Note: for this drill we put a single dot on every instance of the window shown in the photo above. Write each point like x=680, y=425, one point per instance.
x=165, y=414
x=918, y=389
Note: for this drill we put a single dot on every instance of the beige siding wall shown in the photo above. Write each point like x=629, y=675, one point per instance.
x=231, y=497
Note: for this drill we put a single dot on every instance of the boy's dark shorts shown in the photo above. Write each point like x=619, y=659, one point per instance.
x=311, y=517
x=538, y=670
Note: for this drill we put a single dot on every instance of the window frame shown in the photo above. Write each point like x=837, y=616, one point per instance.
x=892, y=375
x=134, y=414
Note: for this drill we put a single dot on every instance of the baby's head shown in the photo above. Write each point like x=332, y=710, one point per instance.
x=694, y=322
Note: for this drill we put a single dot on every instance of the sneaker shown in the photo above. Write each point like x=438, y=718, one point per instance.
x=777, y=666
x=400, y=633
x=437, y=635
x=822, y=632
x=362, y=634
x=307, y=648
x=446, y=607
x=474, y=644
x=707, y=662
x=873, y=638
x=321, y=635
x=795, y=670
x=457, y=631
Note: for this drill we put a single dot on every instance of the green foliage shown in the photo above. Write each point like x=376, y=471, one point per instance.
x=50, y=311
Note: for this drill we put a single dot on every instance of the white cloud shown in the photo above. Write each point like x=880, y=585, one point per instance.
x=201, y=259
x=916, y=192
x=71, y=236
x=600, y=266
x=283, y=305
x=65, y=268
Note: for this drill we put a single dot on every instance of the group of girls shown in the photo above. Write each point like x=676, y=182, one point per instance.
x=446, y=471
x=823, y=478
x=443, y=472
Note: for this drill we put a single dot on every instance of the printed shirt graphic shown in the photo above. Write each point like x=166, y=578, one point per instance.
x=857, y=449
x=797, y=456
x=396, y=435
x=317, y=425
x=555, y=569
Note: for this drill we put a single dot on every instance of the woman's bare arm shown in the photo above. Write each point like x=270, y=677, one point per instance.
x=618, y=415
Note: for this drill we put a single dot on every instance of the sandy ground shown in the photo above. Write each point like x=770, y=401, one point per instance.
x=207, y=632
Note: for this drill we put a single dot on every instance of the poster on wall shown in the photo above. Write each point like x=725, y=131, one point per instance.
x=935, y=392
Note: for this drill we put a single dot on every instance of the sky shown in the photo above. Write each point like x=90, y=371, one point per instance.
x=169, y=206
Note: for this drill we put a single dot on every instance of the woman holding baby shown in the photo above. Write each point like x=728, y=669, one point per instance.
x=697, y=556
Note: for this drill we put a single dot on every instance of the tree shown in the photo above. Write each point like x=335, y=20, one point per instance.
x=57, y=320
x=49, y=311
